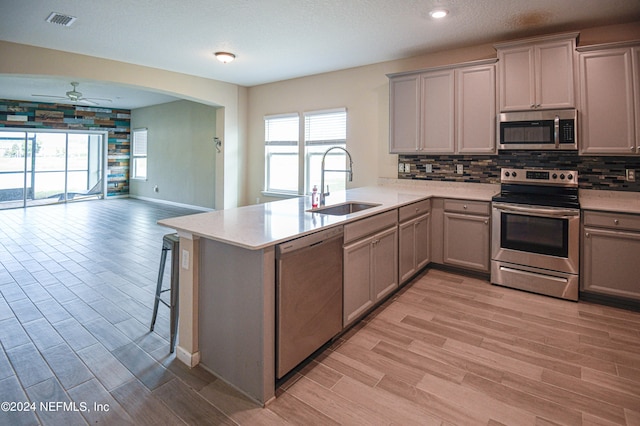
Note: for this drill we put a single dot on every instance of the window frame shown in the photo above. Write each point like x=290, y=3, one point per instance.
x=305, y=152
x=136, y=155
x=287, y=119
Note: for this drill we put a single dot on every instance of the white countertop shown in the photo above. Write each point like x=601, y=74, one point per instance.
x=612, y=201
x=262, y=225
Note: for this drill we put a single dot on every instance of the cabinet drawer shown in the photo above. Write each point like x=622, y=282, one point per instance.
x=370, y=225
x=612, y=220
x=470, y=207
x=413, y=210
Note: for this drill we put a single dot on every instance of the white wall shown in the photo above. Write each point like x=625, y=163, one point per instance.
x=181, y=153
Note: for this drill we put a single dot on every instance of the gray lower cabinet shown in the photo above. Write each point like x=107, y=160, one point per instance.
x=611, y=254
x=466, y=232
x=414, y=246
x=370, y=263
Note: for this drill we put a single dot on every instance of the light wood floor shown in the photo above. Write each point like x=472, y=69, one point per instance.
x=76, y=286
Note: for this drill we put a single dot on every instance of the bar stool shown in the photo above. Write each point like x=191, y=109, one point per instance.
x=170, y=242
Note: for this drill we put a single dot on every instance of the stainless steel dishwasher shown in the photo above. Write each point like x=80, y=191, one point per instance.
x=309, y=291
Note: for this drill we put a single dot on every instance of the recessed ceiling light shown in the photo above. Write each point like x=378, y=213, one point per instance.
x=225, y=57
x=439, y=13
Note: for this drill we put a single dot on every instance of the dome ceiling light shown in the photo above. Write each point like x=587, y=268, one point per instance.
x=438, y=13
x=225, y=57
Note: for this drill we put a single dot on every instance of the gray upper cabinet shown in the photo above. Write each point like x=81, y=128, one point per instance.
x=537, y=73
x=443, y=110
x=404, y=113
x=609, y=107
x=476, y=109
x=437, y=113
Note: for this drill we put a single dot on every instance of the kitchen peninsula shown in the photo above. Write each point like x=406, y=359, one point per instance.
x=227, y=275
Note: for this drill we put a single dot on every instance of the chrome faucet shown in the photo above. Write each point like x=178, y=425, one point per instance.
x=350, y=171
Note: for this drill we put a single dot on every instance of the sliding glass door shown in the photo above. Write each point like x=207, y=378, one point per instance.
x=45, y=167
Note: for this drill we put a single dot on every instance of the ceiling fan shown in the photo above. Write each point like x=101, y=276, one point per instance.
x=76, y=97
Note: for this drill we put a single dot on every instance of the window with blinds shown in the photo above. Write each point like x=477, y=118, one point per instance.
x=292, y=167
x=281, y=137
x=323, y=130
x=139, y=154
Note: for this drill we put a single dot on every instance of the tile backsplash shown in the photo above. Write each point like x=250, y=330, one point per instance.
x=607, y=173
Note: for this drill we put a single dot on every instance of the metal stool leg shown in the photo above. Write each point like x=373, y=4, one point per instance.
x=163, y=259
x=175, y=268
x=170, y=242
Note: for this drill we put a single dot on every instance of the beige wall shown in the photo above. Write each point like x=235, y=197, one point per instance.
x=181, y=153
x=240, y=169
x=19, y=59
x=364, y=92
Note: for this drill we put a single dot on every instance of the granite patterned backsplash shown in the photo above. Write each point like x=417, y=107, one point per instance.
x=605, y=173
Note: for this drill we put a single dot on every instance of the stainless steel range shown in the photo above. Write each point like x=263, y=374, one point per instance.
x=536, y=232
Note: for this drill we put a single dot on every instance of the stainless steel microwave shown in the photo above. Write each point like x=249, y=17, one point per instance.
x=539, y=130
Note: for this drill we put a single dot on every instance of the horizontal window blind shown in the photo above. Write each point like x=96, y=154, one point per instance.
x=281, y=130
x=326, y=127
x=140, y=142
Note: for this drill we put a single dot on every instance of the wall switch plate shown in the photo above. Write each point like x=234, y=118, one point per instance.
x=631, y=175
x=459, y=169
x=407, y=167
x=185, y=259
x=428, y=168
x=400, y=167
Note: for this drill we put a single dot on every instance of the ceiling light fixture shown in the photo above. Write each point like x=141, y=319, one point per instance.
x=439, y=13
x=225, y=57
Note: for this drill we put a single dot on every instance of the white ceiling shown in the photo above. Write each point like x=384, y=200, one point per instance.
x=275, y=39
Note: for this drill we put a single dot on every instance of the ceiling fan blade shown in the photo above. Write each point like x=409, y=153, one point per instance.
x=87, y=101
x=99, y=99
x=50, y=96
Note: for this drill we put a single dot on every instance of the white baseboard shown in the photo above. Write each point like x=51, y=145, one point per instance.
x=186, y=357
x=172, y=203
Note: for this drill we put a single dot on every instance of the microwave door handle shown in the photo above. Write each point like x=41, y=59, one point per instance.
x=556, y=131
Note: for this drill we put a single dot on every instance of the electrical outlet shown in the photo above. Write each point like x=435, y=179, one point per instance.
x=407, y=167
x=400, y=167
x=185, y=259
x=459, y=169
x=428, y=168
x=631, y=175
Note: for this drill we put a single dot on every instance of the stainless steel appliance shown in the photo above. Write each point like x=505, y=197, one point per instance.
x=540, y=130
x=309, y=290
x=535, y=232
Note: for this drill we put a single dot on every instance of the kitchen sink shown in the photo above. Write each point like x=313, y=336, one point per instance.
x=344, y=208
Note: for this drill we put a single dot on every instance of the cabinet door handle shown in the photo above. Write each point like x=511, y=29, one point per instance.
x=486, y=222
x=464, y=207
x=616, y=221
x=587, y=235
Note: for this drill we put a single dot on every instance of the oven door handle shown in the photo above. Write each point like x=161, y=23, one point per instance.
x=537, y=211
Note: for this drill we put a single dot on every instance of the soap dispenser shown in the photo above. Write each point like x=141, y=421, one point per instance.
x=315, y=197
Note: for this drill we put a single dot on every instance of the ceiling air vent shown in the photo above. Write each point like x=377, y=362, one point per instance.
x=61, y=19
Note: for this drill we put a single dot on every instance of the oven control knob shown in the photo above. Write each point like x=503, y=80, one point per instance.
x=555, y=176
x=507, y=174
x=570, y=177
x=514, y=174
x=561, y=175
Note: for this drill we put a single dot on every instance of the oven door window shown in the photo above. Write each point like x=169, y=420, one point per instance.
x=535, y=234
